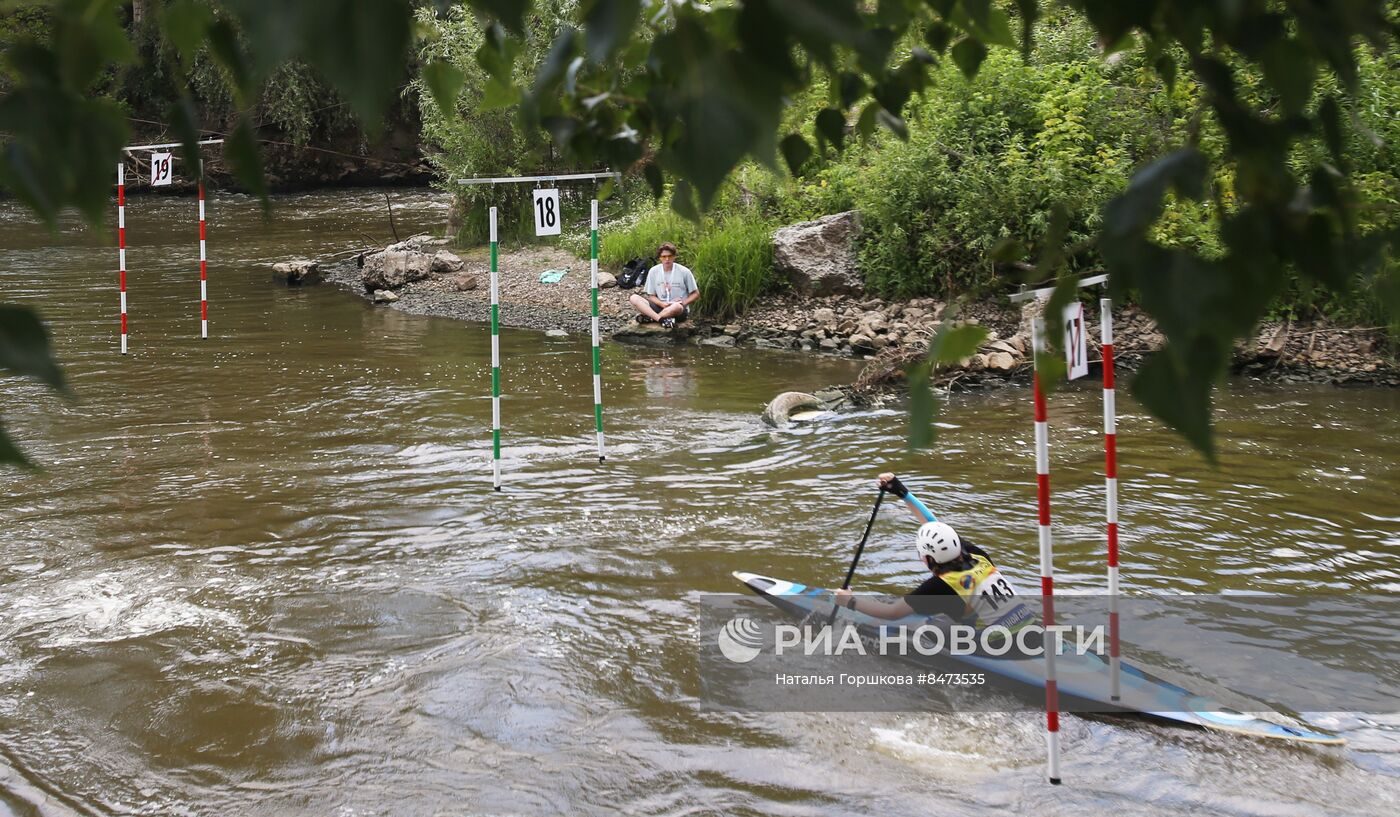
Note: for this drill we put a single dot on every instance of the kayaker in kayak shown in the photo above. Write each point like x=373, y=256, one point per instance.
x=965, y=584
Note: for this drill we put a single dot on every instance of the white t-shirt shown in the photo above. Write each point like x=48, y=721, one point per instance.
x=673, y=287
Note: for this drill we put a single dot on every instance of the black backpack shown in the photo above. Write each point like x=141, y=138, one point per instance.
x=634, y=273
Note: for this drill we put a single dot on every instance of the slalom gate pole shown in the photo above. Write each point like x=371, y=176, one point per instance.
x=1047, y=559
x=495, y=363
x=597, y=356
x=203, y=267
x=121, y=245
x=1110, y=470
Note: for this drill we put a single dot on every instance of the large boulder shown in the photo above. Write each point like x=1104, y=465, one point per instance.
x=819, y=257
x=394, y=267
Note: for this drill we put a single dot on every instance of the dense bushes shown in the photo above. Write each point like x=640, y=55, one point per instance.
x=987, y=163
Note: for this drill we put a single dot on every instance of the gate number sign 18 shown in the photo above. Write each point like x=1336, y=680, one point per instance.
x=160, y=170
x=547, y=212
x=1076, y=351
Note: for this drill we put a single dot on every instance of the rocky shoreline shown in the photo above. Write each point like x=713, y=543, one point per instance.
x=421, y=277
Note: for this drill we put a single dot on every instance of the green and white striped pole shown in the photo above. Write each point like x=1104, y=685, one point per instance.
x=495, y=363
x=597, y=359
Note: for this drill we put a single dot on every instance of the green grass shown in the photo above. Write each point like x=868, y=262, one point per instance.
x=732, y=258
x=733, y=266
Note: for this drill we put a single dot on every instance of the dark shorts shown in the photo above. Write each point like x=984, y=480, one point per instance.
x=685, y=313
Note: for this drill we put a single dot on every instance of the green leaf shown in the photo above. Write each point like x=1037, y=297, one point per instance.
x=655, y=180
x=361, y=49
x=831, y=127
x=969, y=54
x=186, y=25
x=496, y=95
x=1289, y=71
x=1030, y=13
x=224, y=47
x=551, y=71
x=61, y=150
x=444, y=81
x=896, y=124
x=25, y=348
x=796, y=152
x=893, y=13
x=509, y=12
x=184, y=120
x=853, y=87
x=865, y=123
x=949, y=345
x=1331, y=115
x=1165, y=67
x=87, y=45
x=998, y=30
x=10, y=453
x=683, y=201
x=1007, y=250
x=923, y=406
x=1137, y=207
x=938, y=36
x=241, y=148
x=978, y=11
x=1177, y=389
x=606, y=23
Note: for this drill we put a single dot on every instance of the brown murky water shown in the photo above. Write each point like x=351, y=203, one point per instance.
x=266, y=573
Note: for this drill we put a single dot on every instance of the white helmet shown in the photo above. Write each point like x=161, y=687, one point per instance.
x=939, y=541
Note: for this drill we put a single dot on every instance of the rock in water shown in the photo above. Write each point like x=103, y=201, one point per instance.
x=779, y=411
x=298, y=271
x=556, y=333
x=385, y=296
x=819, y=257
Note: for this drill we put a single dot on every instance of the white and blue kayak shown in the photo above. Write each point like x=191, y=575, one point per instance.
x=1083, y=678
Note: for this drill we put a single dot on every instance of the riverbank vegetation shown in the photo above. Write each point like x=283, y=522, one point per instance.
x=987, y=164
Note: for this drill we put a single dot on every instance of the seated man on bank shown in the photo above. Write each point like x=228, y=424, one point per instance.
x=669, y=292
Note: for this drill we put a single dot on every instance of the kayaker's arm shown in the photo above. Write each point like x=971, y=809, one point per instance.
x=922, y=514
x=888, y=610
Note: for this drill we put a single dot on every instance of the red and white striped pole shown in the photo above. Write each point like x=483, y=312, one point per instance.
x=1047, y=559
x=121, y=244
x=1110, y=470
x=203, y=270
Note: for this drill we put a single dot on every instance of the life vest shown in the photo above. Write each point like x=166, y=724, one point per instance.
x=988, y=595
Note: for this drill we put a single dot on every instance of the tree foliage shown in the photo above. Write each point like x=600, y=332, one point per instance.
x=685, y=92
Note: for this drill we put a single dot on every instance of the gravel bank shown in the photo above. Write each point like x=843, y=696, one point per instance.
x=892, y=335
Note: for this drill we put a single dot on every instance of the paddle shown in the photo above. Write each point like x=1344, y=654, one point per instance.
x=846, y=585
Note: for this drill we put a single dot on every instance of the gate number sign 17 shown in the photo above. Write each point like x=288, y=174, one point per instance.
x=547, y=212
x=160, y=170
x=1076, y=348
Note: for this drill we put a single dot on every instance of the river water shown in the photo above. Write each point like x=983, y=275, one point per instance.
x=266, y=573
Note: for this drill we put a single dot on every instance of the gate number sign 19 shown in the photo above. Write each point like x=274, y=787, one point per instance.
x=1076, y=357
x=160, y=170
x=547, y=212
